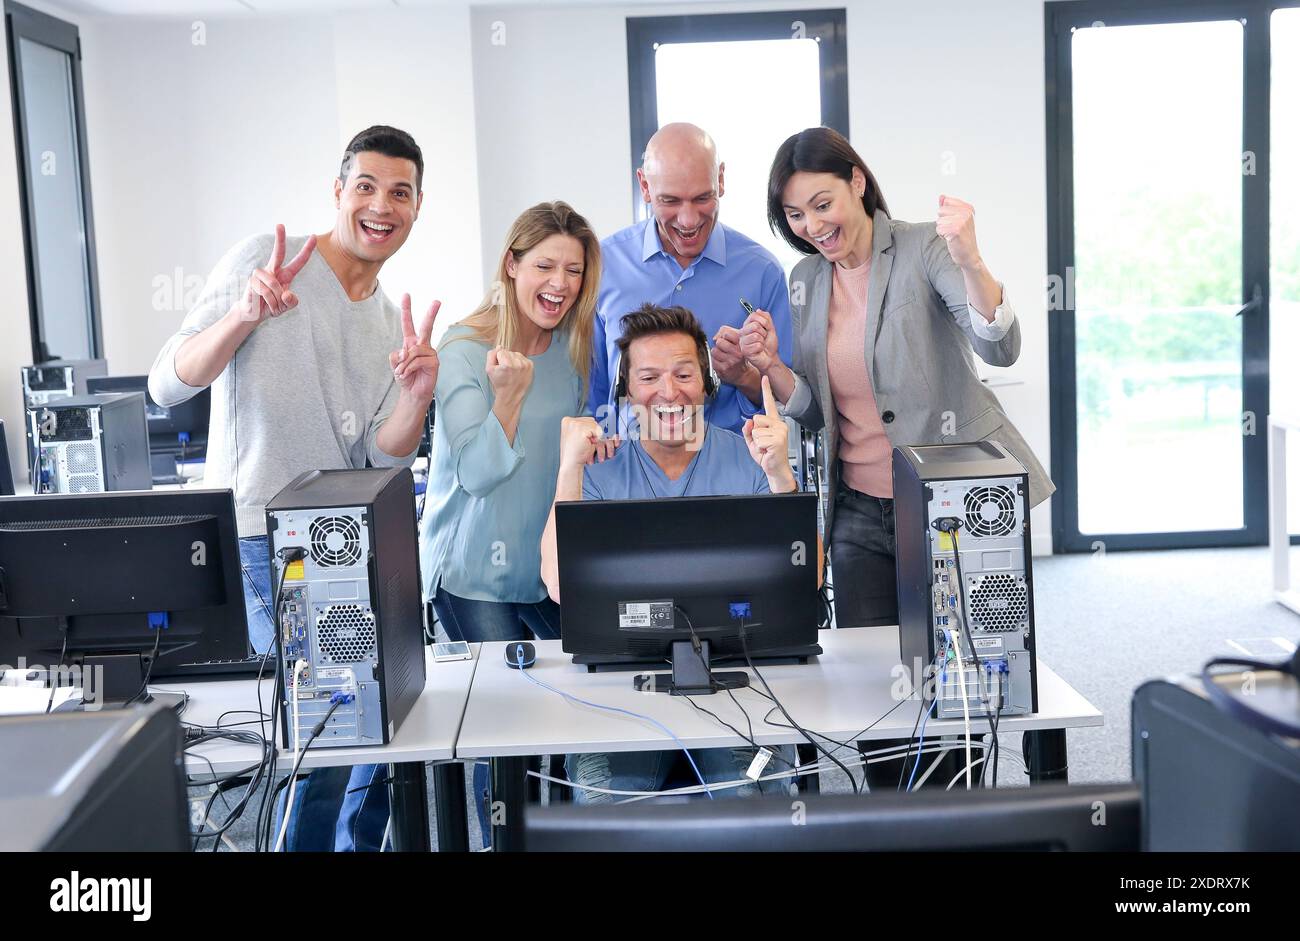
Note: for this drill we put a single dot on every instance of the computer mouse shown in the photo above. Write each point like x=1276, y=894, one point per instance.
x=518, y=650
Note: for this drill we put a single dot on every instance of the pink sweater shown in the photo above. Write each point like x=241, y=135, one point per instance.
x=865, y=452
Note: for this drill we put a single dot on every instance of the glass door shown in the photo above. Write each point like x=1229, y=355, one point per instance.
x=1159, y=246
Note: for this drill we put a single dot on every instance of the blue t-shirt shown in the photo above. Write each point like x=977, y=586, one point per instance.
x=721, y=467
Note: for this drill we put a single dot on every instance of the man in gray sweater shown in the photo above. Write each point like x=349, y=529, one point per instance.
x=311, y=367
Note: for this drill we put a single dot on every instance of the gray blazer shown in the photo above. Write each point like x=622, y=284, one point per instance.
x=919, y=353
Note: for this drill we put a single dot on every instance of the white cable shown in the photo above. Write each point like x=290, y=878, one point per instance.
x=965, y=771
x=293, y=783
x=933, y=765
x=697, y=789
x=388, y=832
x=965, y=705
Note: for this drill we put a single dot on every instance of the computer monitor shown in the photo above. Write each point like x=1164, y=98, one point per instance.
x=6, y=468
x=1042, y=817
x=641, y=581
x=87, y=580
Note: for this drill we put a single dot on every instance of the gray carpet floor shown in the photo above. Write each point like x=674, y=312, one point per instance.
x=1107, y=623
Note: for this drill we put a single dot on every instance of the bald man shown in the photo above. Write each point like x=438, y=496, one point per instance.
x=683, y=256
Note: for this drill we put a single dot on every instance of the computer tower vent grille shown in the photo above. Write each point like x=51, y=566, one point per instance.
x=82, y=458
x=346, y=633
x=998, y=602
x=335, y=541
x=85, y=483
x=990, y=511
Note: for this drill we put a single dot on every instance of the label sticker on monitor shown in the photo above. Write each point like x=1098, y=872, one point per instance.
x=646, y=615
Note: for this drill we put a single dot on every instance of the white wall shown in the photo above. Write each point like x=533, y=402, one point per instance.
x=194, y=145
x=955, y=85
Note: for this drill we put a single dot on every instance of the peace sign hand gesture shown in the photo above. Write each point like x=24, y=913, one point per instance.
x=267, y=293
x=415, y=365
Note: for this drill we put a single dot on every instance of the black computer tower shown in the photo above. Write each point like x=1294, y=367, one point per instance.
x=56, y=379
x=344, y=555
x=985, y=489
x=90, y=444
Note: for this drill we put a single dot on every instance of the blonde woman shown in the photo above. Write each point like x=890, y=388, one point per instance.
x=509, y=373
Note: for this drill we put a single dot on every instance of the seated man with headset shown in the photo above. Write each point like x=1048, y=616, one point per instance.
x=671, y=451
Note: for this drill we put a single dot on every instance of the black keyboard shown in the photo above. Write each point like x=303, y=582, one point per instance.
x=246, y=668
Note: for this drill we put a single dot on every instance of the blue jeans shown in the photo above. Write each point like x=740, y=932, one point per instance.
x=648, y=771
x=479, y=621
x=338, y=809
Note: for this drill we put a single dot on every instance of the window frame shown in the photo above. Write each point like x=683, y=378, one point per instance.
x=1060, y=19
x=644, y=33
x=22, y=22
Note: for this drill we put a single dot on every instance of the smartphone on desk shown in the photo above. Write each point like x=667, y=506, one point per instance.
x=456, y=650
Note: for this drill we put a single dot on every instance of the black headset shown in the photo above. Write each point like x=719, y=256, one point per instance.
x=1237, y=707
x=711, y=381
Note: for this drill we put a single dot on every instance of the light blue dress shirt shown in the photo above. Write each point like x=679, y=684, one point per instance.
x=722, y=467
x=636, y=270
x=487, y=500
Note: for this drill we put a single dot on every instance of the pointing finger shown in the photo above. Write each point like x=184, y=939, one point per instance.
x=769, y=400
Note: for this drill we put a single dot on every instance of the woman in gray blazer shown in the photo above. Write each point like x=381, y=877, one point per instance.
x=886, y=316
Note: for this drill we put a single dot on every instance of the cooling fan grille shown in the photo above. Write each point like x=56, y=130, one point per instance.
x=998, y=602
x=335, y=541
x=990, y=511
x=345, y=633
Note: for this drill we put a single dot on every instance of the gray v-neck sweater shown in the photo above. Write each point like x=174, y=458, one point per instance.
x=307, y=390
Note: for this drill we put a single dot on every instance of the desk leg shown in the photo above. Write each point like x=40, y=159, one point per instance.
x=449, y=802
x=409, y=803
x=1045, y=756
x=510, y=792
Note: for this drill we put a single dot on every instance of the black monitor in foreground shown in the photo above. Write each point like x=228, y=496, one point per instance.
x=111, y=582
x=93, y=782
x=1044, y=817
x=6, y=468
x=641, y=581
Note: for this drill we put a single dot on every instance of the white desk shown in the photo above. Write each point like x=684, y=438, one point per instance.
x=428, y=733
x=838, y=695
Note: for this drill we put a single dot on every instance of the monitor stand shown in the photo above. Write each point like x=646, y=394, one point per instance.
x=691, y=675
x=122, y=680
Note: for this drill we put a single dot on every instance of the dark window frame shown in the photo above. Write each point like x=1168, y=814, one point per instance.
x=1059, y=20
x=25, y=23
x=826, y=27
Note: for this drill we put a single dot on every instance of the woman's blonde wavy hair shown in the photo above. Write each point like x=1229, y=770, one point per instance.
x=496, y=320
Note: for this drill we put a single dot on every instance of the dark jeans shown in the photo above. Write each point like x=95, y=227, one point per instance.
x=862, y=560
x=479, y=621
x=342, y=809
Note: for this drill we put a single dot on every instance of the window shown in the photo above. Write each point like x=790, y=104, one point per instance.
x=750, y=80
x=1159, y=244
x=45, y=75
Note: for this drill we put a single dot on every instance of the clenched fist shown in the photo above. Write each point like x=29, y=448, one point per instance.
x=759, y=342
x=956, y=224
x=582, y=442
x=728, y=362
x=769, y=444
x=510, y=373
